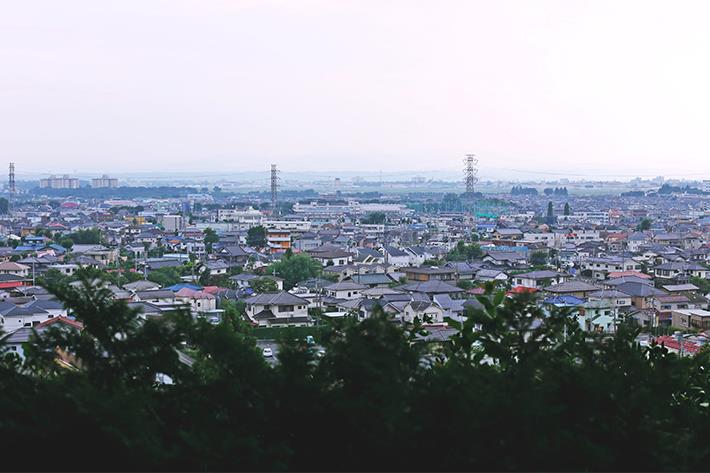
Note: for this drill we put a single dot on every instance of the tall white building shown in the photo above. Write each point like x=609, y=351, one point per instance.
x=104, y=182
x=63, y=182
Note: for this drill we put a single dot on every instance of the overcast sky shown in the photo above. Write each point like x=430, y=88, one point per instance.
x=577, y=87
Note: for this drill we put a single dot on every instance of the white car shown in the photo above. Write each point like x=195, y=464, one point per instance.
x=267, y=352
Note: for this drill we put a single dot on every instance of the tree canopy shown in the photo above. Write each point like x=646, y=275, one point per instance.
x=515, y=388
x=295, y=268
x=89, y=236
x=256, y=237
x=464, y=252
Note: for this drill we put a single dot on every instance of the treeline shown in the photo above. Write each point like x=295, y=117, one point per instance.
x=555, y=191
x=633, y=194
x=520, y=190
x=669, y=189
x=514, y=395
x=161, y=192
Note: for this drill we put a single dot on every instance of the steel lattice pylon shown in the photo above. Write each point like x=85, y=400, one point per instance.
x=274, y=189
x=470, y=173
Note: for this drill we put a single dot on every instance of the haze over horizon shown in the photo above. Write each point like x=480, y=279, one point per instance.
x=550, y=88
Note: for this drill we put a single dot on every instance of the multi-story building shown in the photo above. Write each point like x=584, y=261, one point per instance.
x=290, y=225
x=104, y=182
x=63, y=182
x=278, y=240
x=173, y=223
x=244, y=219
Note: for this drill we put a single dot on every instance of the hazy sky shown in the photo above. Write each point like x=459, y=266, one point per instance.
x=577, y=87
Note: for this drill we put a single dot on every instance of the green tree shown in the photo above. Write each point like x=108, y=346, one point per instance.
x=256, y=237
x=464, y=252
x=4, y=206
x=263, y=285
x=375, y=218
x=538, y=258
x=210, y=239
x=550, y=217
x=67, y=243
x=644, y=225
x=295, y=269
x=567, y=209
x=521, y=388
x=465, y=284
x=702, y=284
x=165, y=276
x=89, y=236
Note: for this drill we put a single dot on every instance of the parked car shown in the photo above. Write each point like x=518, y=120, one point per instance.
x=267, y=352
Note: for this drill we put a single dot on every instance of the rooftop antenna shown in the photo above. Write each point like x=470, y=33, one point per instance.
x=274, y=189
x=11, y=183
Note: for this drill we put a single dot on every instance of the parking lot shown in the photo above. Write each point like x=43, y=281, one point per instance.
x=272, y=360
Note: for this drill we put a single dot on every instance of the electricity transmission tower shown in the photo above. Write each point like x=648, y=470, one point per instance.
x=470, y=173
x=274, y=189
x=11, y=188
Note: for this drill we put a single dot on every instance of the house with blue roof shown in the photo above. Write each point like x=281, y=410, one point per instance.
x=178, y=286
x=564, y=301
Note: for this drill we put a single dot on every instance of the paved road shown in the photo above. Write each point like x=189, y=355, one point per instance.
x=274, y=348
x=272, y=360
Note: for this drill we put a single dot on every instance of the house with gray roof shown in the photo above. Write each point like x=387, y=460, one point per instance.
x=277, y=309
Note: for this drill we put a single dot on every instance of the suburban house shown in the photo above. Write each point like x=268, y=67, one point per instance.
x=691, y=318
x=601, y=267
x=429, y=273
x=396, y=256
x=15, y=269
x=432, y=287
x=275, y=309
x=345, y=290
x=642, y=295
x=155, y=296
x=200, y=301
x=13, y=316
x=680, y=270
x=491, y=275
x=506, y=258
x=598, y=316
x=408, y=311
x=217, y=268
x=539, y=279
x=15, y=341
x=572, y=288
x=233, y=254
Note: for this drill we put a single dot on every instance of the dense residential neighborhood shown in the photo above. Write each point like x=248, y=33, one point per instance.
x=611, y=258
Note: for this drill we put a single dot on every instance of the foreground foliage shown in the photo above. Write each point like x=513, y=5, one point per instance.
x=514, y=395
